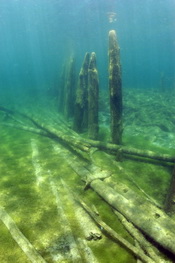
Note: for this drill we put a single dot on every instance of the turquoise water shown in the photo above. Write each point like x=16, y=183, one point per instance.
x=41, y=166
x=39, y=36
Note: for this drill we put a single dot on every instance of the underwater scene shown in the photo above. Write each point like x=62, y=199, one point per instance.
x=87, y=131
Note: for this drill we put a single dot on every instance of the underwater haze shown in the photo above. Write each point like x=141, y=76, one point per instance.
x=37, y=36
x=87, y=131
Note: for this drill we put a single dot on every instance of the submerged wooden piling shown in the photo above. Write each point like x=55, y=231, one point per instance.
x=93, y=95
x=115, y=89
x=81, y=103
x=70, y=89
x=170, y=199
x=61, y=93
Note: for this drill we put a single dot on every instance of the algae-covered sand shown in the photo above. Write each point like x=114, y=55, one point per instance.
x=32, y=168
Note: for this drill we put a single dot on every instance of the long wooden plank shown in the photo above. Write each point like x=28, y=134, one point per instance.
x=18, y=236
x=143, y=214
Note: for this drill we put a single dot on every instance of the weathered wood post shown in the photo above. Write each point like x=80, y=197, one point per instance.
x=93, y=96
x=70, y=90
x=115, y=89
x=61, y=92
x=81, y=103
x=170, y=199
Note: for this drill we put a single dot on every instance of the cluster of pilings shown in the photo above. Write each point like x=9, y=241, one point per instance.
x=81, y=102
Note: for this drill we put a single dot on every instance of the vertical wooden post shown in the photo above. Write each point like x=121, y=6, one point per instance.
x=93, y=95
x=81, y=103
x=115, y=89
x=170, y=199
x=70, y=90
x=61, y=92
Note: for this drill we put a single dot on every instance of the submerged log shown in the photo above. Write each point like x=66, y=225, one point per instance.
x=74, y=254
x=127, y=150
x=81, y=103
x=115, y=236
x=140, y=239
x=147, y=217
x=93, y=94
x=89, y=228
x=84, y=144
x=115, y=89
x=151, y=220
x=21, y=240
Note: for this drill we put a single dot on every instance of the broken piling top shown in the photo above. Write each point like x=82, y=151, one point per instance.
x=93, y=95
x=84, y=69
x=115, y=88
x=92, y=62
x=113, y=44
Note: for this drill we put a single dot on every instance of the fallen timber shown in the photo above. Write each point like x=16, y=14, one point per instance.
x=74, y=254
x=109, y=231
x=114, y=149
x=74, y=139
x=155, y=224
x=147, y=217
x=141, y=242
x=20, y=239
